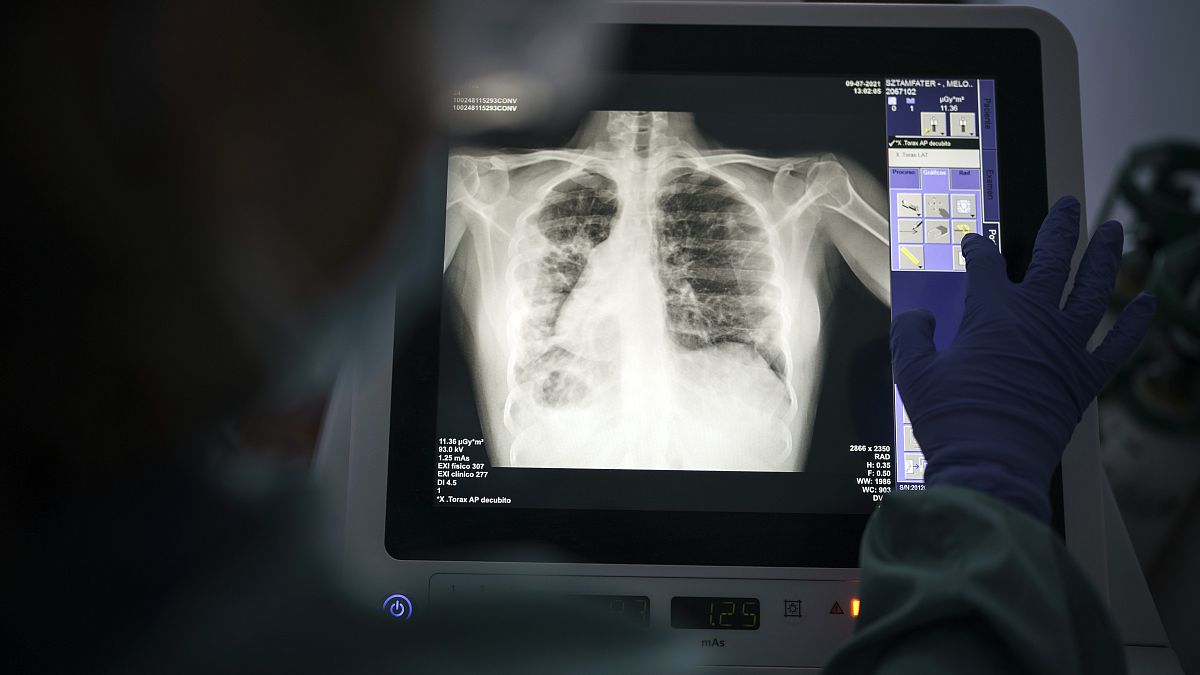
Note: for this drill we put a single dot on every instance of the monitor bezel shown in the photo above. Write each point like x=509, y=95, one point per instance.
x=416, y=529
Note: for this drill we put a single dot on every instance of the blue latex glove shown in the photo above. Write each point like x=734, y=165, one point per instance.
x=995, y=410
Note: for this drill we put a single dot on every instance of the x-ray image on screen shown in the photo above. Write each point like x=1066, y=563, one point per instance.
x=644, y=299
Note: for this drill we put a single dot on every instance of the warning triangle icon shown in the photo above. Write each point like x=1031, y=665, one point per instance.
x=836, y=609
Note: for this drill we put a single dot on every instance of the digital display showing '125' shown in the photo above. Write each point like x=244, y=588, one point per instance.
x=709, y=613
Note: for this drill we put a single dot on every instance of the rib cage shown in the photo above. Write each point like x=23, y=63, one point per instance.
x=575, y=217
x=609, y=336
x=716, y=267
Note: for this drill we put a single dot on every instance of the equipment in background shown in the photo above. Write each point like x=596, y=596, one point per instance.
x=1150, y=418
x=1157, y=198
x=838, y=203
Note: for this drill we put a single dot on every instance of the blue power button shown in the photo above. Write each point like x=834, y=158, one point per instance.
x=398, y=606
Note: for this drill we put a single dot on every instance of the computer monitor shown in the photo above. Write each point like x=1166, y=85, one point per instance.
x=653, y=365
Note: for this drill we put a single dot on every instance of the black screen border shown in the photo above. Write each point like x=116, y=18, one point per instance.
x=416, y=529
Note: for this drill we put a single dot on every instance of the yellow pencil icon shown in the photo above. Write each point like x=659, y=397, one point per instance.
x=908, y=254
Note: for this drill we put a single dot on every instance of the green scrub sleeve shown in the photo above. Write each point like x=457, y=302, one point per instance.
x=954, y=581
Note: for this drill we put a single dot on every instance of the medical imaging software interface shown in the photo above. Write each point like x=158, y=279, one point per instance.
x=682, y=302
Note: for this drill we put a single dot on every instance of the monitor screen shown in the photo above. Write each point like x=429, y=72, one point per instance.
x=679, y=304
x=699, y=278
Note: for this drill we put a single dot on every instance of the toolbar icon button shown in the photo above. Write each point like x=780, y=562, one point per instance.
x=964, y=205
x=962, y=124
x=933, y=124
x=912, y=257
x=908, y=205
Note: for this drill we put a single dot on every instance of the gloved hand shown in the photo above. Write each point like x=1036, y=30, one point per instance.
x=995, y=410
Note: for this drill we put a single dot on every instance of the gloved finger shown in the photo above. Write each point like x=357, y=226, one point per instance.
x=1052, y=251
x=1094, y=280
x=1124, y=337
x=985, y=270
x=912, y=342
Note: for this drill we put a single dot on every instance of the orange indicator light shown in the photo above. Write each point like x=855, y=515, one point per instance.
x=854, y=603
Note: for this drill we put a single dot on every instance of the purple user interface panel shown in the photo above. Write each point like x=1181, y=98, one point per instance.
x=942, y=185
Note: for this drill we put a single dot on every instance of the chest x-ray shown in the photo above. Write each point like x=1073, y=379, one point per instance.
x=644, y=300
